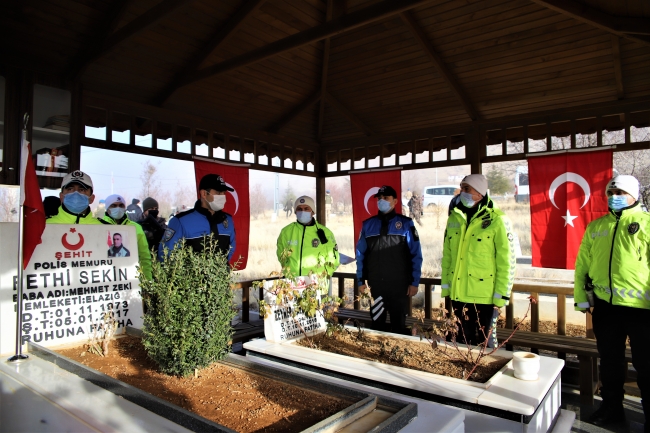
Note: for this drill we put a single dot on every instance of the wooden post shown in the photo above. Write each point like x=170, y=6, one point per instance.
x=428, y=300
x=341, y=287
x=561, y=320
x=534, y=316
x=19, y=99
x=245, y=301
x=321, y=215
x=589, y=325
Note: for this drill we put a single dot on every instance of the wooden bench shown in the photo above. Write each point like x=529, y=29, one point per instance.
x=584, y=348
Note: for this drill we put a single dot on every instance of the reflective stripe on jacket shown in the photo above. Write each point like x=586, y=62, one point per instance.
x=308, y=253
x=144, y=255
x=478, y=260
x=615, y=252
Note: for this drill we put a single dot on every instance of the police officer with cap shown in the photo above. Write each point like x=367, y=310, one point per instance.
x=389, y=259
x=206, y=218
x=478, y=262
x=612, y=275
x=76, y=197
x=304, y=246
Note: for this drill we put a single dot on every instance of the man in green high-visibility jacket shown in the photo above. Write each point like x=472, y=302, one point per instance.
x=478, y=262
x=615, y=255
x=305, y=246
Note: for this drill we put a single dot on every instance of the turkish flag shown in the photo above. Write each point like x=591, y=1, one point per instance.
x=31, y=201
x=237, y=203
x=364, y=187
x=567, y=192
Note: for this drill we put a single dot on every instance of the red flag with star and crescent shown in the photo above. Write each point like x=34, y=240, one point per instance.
x=30, y=199
x=567, y=192
x=364, y=186
x=237, y=202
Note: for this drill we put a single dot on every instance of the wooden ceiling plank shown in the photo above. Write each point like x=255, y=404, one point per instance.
x=439, y=64
x=348, y=114
x=109, y=22
x=218, y=38
x=618, y=69
x=632, y=28
x=345, y=23
x=295, y=112
x=139, y=24
x=323, y=79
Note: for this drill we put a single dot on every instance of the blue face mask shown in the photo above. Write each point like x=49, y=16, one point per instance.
x=75, y=202
x=466, y=199
x=617, y=202
x=116, y=213
x=303, y=217
x=383, y=205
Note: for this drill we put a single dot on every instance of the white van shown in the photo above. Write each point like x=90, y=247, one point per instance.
x=522, y=191
x=439, y=194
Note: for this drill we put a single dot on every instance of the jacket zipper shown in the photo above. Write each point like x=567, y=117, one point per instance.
x=611, y=254
x=304, y=228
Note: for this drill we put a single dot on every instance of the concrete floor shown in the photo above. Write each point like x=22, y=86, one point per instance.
x=633, y=412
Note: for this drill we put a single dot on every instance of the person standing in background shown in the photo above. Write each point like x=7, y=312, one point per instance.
x=133, y=212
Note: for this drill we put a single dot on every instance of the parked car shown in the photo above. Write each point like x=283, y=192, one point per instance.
x=439, y=194
x=522, y=191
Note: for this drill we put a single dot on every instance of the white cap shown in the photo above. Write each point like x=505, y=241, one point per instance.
x=305, y=200
x=476, y=181
x=114, y=198
x=79, y=177
x=627, y=183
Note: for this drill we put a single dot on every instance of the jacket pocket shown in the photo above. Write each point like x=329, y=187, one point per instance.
x=480, y=286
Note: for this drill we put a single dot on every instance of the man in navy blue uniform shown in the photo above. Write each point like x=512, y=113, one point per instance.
x=389, y=259
x=206, y=218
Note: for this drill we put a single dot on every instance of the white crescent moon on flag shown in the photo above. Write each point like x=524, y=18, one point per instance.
x=234, y=195
x=569, y=177
x=372, y=191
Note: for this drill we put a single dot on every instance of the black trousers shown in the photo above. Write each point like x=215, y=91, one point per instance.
x=612, y=325
x=397, y=307
x=473, y=317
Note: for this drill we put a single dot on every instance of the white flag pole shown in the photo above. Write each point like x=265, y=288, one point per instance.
x=19, y=357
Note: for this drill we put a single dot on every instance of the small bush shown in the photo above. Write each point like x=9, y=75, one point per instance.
x=189, y=309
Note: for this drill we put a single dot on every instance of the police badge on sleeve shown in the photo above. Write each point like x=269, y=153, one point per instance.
x=633, y=228
x=169, y=233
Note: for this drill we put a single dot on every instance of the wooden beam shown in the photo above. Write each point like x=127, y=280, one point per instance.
x=439, y=64
x=349, y=115
x=222, y=34
x=618, y=69
x=109, y=22
x=138, y=25
x=633, y=28
x=323, y=77
x=378, y=11
x=284, y=120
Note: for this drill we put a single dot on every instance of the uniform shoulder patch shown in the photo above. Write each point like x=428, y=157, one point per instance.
x=486, y=224
x=511, y=237
x=415, y=234
x=633, y=228
x=169, y=233
x=398, y=225
x=315, y=242
x=225, y=223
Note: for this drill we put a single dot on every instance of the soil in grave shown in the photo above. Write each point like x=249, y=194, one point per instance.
x=239, y=400
x=415, y=355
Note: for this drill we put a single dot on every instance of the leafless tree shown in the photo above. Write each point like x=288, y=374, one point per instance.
x=259, y=202
x=8, y=204
x=150, y=183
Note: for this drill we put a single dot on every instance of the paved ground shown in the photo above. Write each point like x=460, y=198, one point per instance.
x=633, y=412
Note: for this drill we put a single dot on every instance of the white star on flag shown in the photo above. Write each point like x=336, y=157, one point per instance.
x=568, y=219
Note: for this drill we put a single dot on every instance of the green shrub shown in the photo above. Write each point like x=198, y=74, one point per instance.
x=189, y=309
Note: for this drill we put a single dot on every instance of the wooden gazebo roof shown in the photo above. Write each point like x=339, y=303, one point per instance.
x=335, y=74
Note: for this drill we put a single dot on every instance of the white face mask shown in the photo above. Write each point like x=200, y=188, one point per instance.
x=116, y=212
x=218, y=202
x=303, y=217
